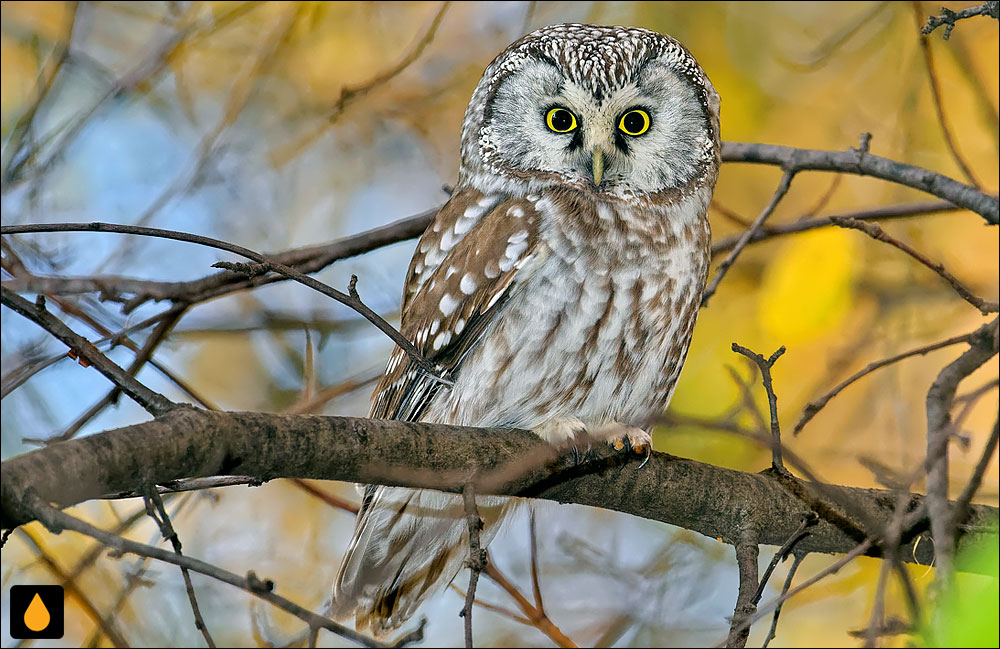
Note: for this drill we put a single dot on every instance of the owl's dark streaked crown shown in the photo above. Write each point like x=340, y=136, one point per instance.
x=602, y=58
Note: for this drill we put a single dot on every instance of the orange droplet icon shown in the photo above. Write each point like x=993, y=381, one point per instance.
x=36, y=616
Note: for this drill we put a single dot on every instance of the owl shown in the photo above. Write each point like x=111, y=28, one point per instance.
x=558, y=287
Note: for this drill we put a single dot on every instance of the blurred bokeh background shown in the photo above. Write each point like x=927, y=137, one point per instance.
x=282, y=124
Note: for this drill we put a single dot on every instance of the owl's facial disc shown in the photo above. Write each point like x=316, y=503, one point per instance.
x=645, y=136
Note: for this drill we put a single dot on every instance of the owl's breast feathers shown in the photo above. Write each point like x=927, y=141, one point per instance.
x=548, y=305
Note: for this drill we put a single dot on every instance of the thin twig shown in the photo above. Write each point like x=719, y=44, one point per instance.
x=824, y=199
x=796, y=562
x=874, y=231
x=720, y=271
x=349, y=94
x=814, y=406
x=949, y=139
x=56, y=520
x=477, y=556
x=153, y=402
x=189, y=484
x=535, y=587
x=961, y=509
x=948, y=18
x=287, y=271
x=166, y=321
x=18, y=376
x=833, y=568
x=74, y=310
x=536, y=617
x=900, y=211
x=765, y=365
x=506, y=612
x=156, y=511
x=808, y=519
x=70, y=583
x=334, y=501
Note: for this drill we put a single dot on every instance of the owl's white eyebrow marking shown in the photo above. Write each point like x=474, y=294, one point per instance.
x=468, y=284
x=448, y=304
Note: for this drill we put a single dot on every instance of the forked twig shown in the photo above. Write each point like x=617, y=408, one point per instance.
x=477, y=556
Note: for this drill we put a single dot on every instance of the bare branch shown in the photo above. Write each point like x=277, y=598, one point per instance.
x=874, y=231
x=796, y=562
x=190, y=443
x=903, y=210
x=948, y=18
x=808, y=519
x=814, y=406
x=156, y=511
x=969, y=492
x=287, y=271
x=765, y=365
x=307, y=260
x=477, y=557
x=153, y=402
x=940, y=397
x=932, y=77
x=863, y=163
x=720, y=271
x=859, y=550
x=58, y=521
x=746, y=558
x=533, y=615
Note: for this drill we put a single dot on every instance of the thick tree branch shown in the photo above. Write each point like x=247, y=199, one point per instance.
x=190, y=443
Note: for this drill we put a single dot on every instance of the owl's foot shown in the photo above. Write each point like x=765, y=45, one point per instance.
x=572, y=435
x=620, y=436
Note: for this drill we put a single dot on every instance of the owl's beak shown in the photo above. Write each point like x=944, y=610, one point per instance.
x=598, y=160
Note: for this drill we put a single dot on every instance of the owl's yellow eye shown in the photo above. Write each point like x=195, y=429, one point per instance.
x=560, y=120
x=634, y=122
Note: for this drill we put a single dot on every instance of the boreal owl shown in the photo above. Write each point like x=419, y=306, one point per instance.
x=558, y=287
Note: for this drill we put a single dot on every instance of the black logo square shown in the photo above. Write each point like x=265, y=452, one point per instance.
x=36, y=612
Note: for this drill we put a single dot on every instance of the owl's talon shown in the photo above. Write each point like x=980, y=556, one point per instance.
x=620, y=436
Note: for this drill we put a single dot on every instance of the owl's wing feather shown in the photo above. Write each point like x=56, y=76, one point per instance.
x=462, y=273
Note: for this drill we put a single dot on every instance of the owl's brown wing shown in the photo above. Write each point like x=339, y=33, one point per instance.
x=465, y=267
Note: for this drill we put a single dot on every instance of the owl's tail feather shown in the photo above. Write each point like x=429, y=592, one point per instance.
x=409, y=543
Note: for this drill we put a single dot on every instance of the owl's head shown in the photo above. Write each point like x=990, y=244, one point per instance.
x=620, y=111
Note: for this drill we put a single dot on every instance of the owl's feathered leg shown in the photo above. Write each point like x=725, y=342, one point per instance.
x=572, y=431
x=409, y=544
